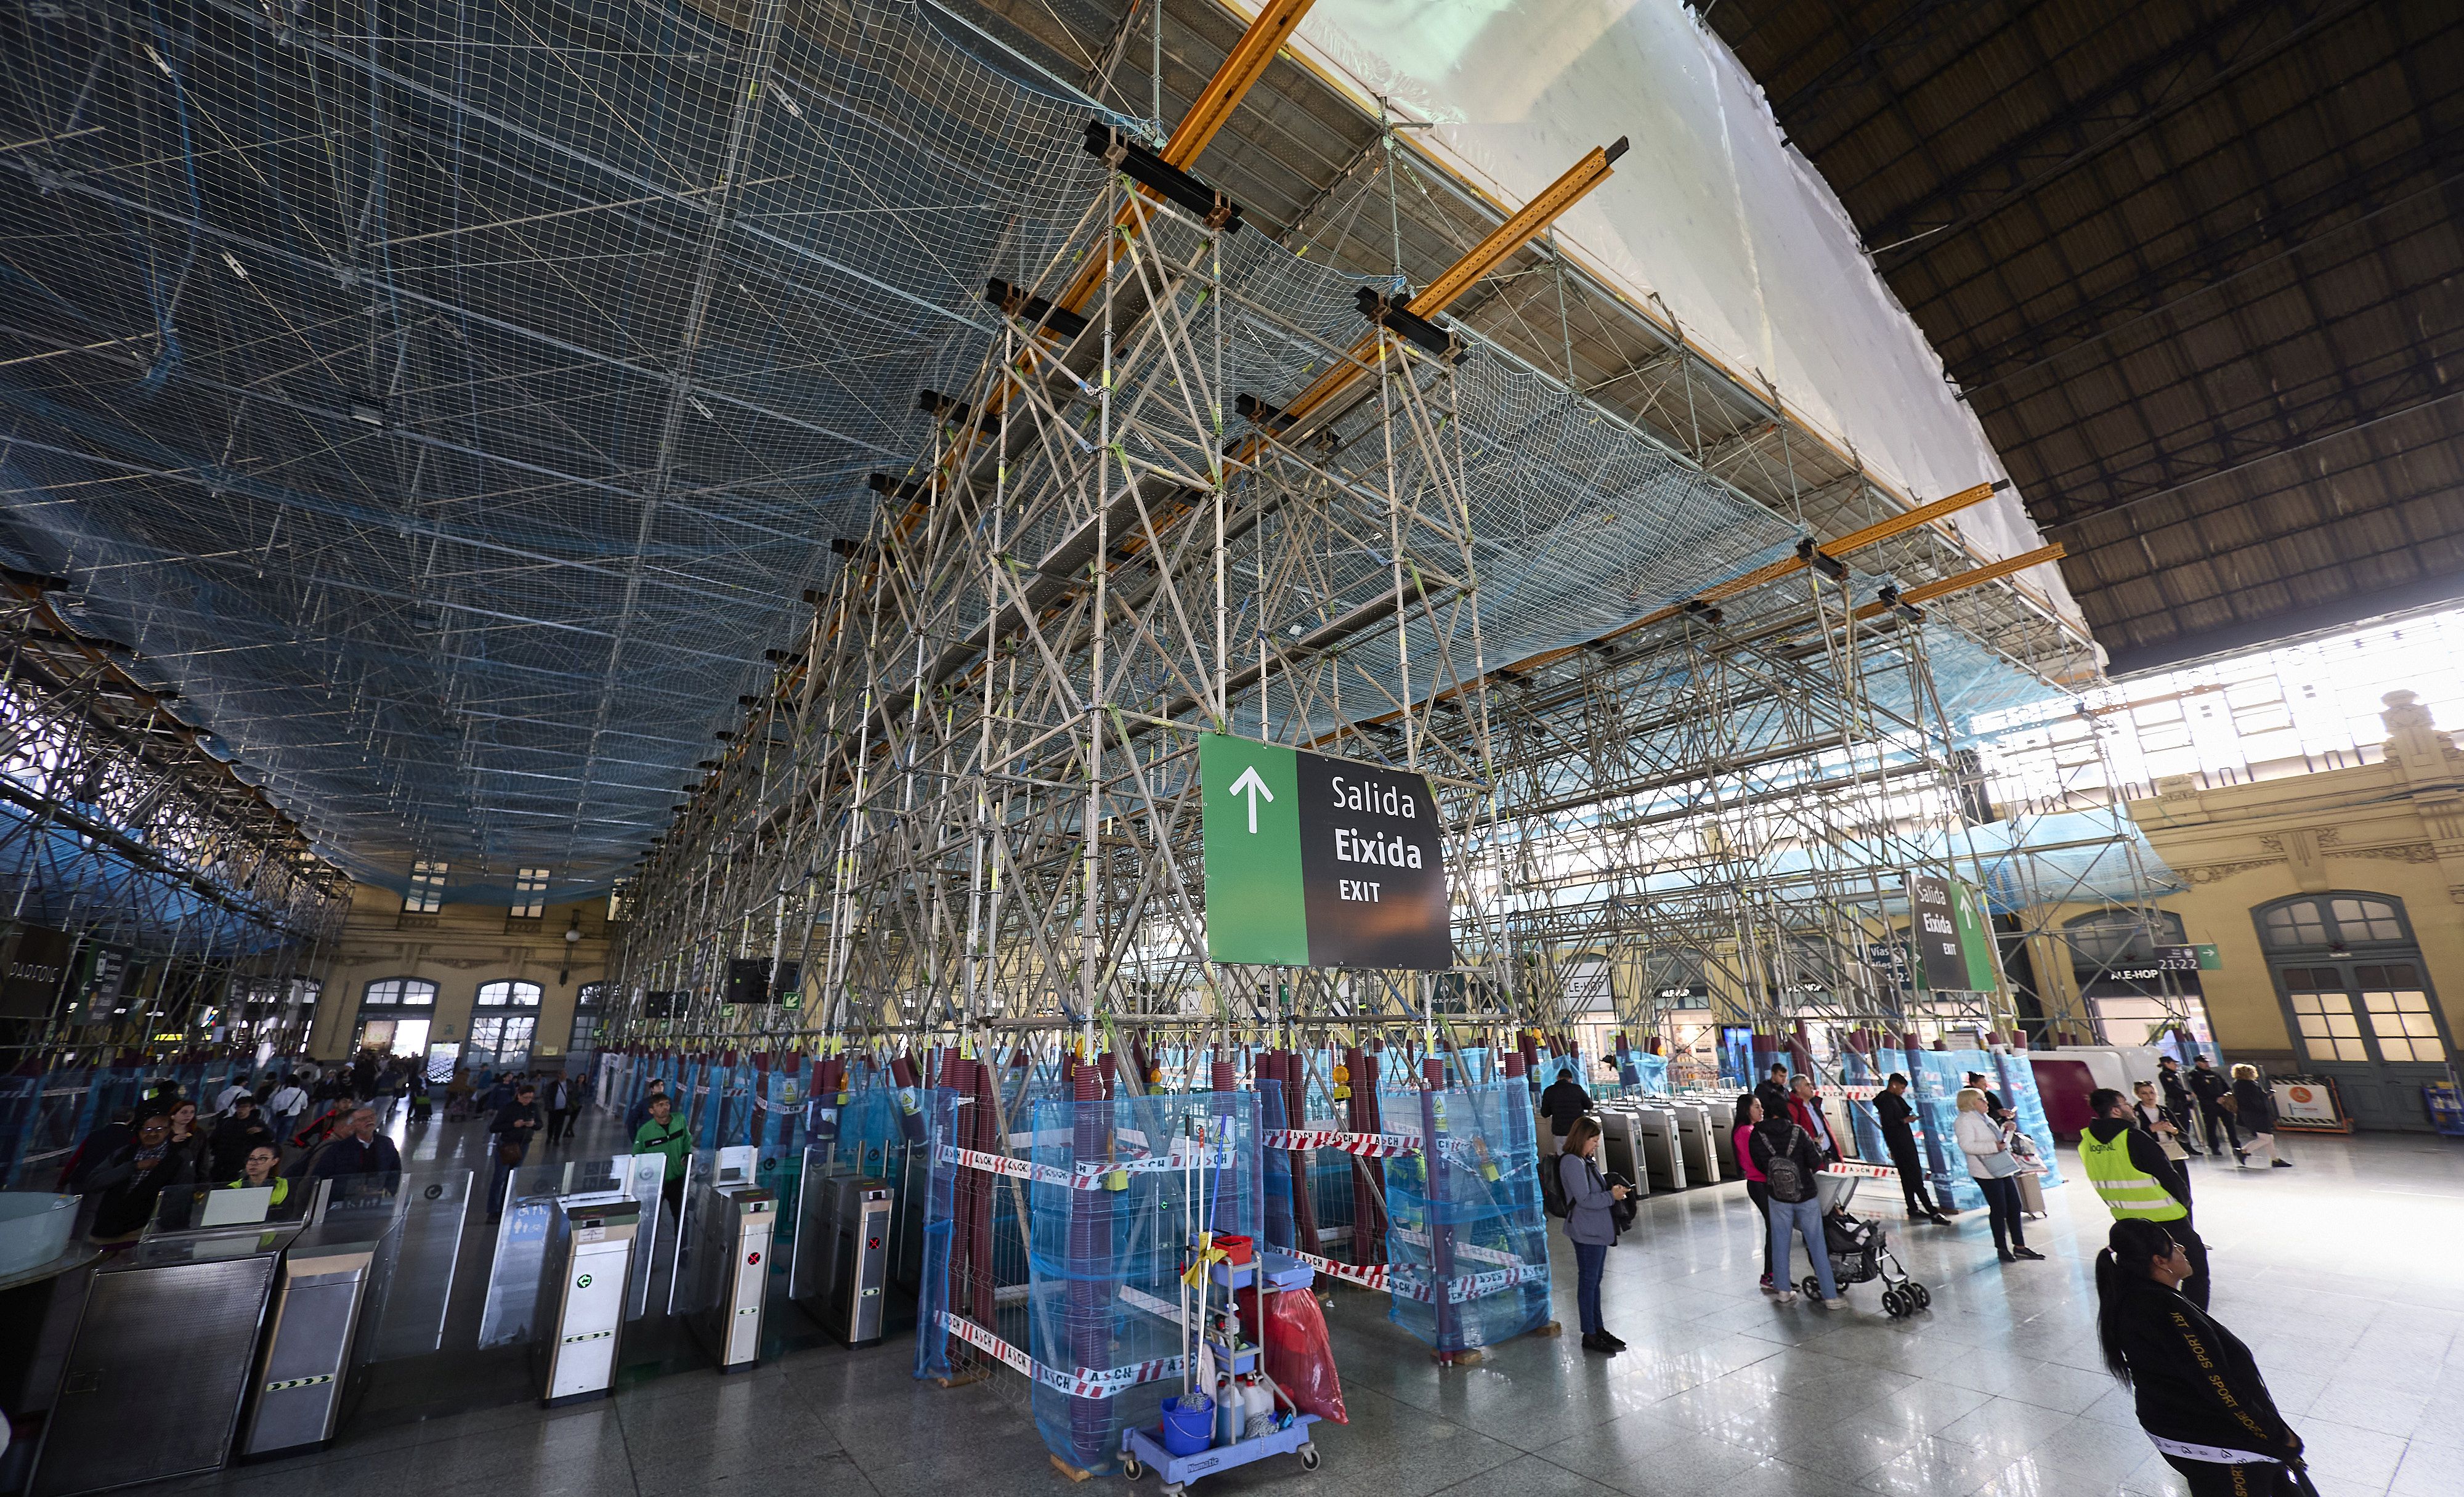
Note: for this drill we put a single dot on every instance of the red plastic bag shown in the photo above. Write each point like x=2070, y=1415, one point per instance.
x=1299, y=1357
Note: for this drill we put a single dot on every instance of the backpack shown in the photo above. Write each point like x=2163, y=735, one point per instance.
x=1553, y=1186
x=1785, y=1177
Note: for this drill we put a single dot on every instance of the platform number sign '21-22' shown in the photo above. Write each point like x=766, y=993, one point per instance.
x=1319, y=862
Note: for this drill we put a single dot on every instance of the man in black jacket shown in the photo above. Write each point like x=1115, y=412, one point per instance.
x=1774, y=1091
x=2146, y=1156
x=1898, y=1116
x=2177, y=1102
x=511, y=1134
x=241, y=1130
x=1564, y=1101
x=2209, y=1084
x=357, y=1148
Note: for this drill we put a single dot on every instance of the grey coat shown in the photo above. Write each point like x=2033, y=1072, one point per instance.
x=1589, y=1214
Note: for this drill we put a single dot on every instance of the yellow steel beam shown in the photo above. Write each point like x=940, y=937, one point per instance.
x=1242, y=67
x=1975, y=577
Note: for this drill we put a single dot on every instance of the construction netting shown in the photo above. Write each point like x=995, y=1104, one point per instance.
x=1468, y=1240
x=1113, y=1195
x=1935, y=1078
x=583, y=324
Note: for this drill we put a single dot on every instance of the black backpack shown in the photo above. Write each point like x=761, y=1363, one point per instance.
x=1783, y=1177
x=1552, y=1186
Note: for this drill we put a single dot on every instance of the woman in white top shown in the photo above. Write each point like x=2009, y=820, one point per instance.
x=1995, y=1170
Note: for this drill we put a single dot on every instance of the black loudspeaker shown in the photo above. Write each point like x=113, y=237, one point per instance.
x=748, y=980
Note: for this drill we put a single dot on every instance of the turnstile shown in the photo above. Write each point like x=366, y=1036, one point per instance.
x=170, y=1329
x=1700, y=1139
x=734, y=1224
x=1617, y=1154
x=296, y=1400
x=1655, y=1136
x=589, y=1253
x=860, y=1217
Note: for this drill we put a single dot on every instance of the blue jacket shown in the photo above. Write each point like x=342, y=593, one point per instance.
x=1590, y=1208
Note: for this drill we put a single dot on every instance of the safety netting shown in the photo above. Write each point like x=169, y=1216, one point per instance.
x=1467, y=1241
x=471, y=385
x=1934, y=1081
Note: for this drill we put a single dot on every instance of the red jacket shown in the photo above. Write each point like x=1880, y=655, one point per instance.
x=1805, y=1118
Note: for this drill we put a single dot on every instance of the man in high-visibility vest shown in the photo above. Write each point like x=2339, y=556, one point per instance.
x=2128, y=1168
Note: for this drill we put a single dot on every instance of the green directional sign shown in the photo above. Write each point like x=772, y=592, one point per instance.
x=1953, y=939
x=1320, y=862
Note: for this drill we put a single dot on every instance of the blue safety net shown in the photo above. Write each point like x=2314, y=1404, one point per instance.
x=1934, y=1086
x=2019, y=1092
x=1860, y=1071
x=1466, y=1239
x=1120, y=1189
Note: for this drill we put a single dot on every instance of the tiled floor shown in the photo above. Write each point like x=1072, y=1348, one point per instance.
x=2344, y=1274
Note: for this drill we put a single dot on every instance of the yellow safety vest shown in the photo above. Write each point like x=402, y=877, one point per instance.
x=2127, y=1189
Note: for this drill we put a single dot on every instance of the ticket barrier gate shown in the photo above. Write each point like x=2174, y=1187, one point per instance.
x=1617, y=1153
x=842, y=1251
x=322, y=1294
x=1702, y=1140
x=733, y=1225
x=1655, y=1132
x=589, y=1255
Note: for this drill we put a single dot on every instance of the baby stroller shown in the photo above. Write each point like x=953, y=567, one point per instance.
x=1862, y=1253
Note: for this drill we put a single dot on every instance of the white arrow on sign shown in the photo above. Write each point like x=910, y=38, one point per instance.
x=1250, y=785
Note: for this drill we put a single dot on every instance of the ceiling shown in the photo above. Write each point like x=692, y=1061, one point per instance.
x=460, y=421
x=2193, y=264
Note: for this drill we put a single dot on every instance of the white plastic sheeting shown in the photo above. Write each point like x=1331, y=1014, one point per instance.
x=1711, y=214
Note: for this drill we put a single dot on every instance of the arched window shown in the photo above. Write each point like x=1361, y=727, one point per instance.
x=509, y=995
x=393, y=1015
x=400, y=993
x=2330, y=920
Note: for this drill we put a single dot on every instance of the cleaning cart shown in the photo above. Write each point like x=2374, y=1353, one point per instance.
x=1230, y=1411
x=1236, y=1353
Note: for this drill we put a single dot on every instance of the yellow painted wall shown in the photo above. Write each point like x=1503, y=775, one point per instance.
x=460, y=948
x=2389, y=828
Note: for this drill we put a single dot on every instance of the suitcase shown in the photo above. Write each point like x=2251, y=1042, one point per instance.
x=2031, y=1195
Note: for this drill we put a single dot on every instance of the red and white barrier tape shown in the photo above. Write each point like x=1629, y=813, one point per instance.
x=1471, y=1250
x=1368, y=1146
x=1472, y=1287
x=1083, y=1383
x=1871, y=1172
x=1372, y=1276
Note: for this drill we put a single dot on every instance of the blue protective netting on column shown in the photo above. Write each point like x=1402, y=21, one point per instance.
x=1105, y=1265
x=1860, y=1071
x=1936, y=1084
x=1466, y=1240
x=2019, y=1092
x=1278, y=1165
x=940, y=1201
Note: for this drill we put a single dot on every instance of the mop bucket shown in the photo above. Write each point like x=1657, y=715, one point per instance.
x=1188, y=1423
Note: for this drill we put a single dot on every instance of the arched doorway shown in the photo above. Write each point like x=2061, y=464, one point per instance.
x=2357, y=999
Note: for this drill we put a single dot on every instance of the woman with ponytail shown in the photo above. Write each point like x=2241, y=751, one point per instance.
x=2200, y=1396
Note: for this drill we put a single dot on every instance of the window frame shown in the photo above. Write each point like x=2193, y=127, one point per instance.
x=530, y=893
x=511, y=1002
x=404, y=984
x=2340, y=958
x=426, y=892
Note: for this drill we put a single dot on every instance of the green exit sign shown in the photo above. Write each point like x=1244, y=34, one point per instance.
x=1320, y=862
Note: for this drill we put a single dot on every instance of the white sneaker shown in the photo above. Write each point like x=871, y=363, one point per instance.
x=1785, y=1297
x=1835, y=1303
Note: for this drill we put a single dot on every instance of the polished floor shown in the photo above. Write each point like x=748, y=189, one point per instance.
x=2345, y=1275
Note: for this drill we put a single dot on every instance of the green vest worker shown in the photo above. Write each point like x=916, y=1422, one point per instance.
x=2128, y=1168
x=661, y=1134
